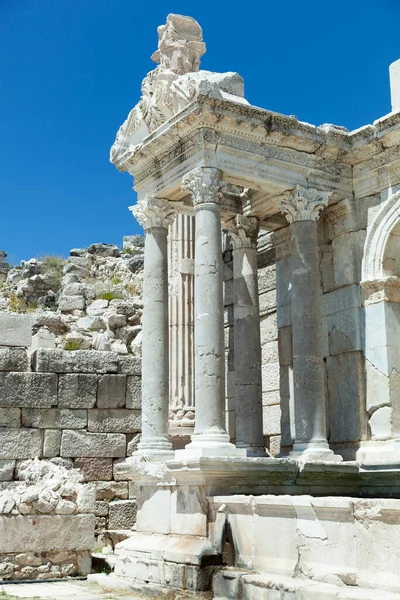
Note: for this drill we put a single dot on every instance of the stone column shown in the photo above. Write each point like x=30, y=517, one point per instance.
x=155, y=216
x=243, y=232
x=302, y=209
x=210, y=437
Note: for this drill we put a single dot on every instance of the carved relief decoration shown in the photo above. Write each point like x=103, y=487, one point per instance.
x=153, y=212
x=303, y=204
x=204, y=185
x=381, y=290
x=169, y=88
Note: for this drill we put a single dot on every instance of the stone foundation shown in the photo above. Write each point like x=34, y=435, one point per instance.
x=44, y=565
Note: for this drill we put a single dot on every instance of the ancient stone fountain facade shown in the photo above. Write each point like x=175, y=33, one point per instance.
x=293, y=332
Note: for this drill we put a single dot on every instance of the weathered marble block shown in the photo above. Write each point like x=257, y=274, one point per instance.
x=15, y=330
x=134, y=392
x=111, y=391
x=20, y=443
x=122, y=514
x=95, y=469
x=83, y=444
x=38, y=390
x=77, y=391
x=130, y=365
x=76, y=361
x=54, y=418
x=114, y=420
x=43, y=533
x=13, y=359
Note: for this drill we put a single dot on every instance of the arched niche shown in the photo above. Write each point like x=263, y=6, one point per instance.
x=382, y=236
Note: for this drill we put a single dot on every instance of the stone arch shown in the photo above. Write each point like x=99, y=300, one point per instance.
x=377, y=239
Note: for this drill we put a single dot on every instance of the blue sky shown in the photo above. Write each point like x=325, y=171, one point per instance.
x=71, y=70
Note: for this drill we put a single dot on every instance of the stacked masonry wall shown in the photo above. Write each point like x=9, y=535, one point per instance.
x=81, y=406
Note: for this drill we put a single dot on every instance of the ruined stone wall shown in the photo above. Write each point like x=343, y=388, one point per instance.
x=80, y=407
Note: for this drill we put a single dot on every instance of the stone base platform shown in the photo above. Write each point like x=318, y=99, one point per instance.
x=231, y=584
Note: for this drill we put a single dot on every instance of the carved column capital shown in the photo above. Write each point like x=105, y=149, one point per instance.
x=204, y=184
x=303, y=204
x=243, y=231
x=153, y=212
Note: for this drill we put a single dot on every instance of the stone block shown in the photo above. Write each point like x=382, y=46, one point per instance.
x=285, y=346
x=86, y=498
x=267, y=302
x=112, y=490
x=269, y=398
x=13, y=359
x=283, y=282
x=377, y=388
x=95, y=469
x=270, y=377
x=268, y=328
x=347, y=256
x=122, y=514
x=284, y=315
x=111, y=391
x=345, y=332
x=114, y=420
x=101, y=508
x=229, y=292
x=130, y=365
x=75, y=443
x=51, y=443
x=346, y=397
x=272, y=420
x=70, y=303
x=77, y=391
x=267, y=278
x=54, y=418
x=76, y=361
x=10, y=417
x=342, y=299
x=15, y=330
x=286, y=386
x=37, y=390
x=134, y=392
x=45, y=533
x=20, y=443
x=380, y=423
x=134, y=490
x=7, y=470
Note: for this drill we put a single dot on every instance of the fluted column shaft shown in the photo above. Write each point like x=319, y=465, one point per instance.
x=155, y=215
x=247, y=343
x=302, y=209
x=210, y=437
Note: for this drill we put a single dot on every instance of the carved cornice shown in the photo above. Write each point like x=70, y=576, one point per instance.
x=381, y=290
x=243, y=232
x=153, y=212
x=303, y=204
x=204, y=184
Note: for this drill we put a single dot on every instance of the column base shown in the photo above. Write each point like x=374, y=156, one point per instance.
x=311, y=451
x=252, y=451
x=157, y=450
x=211, y=445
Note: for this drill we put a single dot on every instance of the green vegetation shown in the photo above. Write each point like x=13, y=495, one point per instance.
x=71, y=345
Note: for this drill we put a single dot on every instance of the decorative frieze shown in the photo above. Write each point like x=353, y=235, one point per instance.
x=381, y=290
x=303, y=204
x=153, y=212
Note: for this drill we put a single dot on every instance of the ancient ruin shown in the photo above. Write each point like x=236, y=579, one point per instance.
x=276, y=336
x=256, y=354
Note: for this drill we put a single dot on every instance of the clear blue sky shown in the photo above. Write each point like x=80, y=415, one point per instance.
x=71, y=70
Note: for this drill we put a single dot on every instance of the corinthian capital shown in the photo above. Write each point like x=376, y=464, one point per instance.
x=153, y=212
x=243, y=231
x=204, y=184
x=303, y=204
